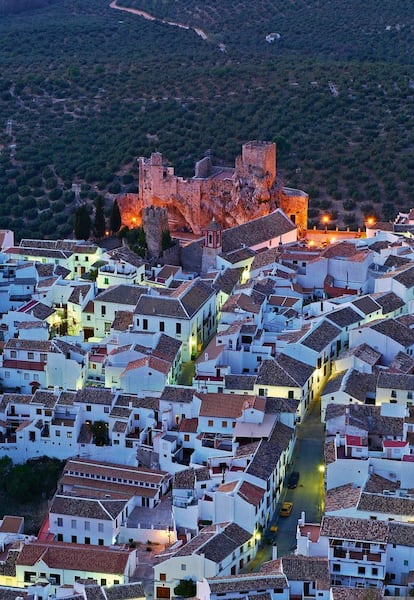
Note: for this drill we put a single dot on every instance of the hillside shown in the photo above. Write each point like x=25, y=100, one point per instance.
x=89, y=88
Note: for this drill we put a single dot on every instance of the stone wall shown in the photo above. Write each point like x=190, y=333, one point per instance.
x=154, y=222
x=231, y=196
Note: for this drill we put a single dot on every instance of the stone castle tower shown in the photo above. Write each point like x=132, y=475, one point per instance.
x=154, y=223
x=231, y=196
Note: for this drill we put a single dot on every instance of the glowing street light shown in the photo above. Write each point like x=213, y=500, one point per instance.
x=325, y=221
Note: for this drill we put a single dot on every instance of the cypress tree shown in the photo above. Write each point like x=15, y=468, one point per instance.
x=99, y=221
x=82, y=223
x=115, y=219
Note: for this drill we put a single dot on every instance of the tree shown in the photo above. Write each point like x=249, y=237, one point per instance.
x=99, y=221
x=115, y=218
x=82, y=223
x=100, y=433
x=166, y=240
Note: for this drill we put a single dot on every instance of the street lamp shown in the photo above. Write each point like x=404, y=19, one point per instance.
x=325, y=221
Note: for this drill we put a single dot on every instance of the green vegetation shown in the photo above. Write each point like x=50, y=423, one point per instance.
x=336, y=92
x=186, y=588
x=26, y=488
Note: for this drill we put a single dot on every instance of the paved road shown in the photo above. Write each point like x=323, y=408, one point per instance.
x=309, y=494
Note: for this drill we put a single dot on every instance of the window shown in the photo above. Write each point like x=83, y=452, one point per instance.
x=406, y=563
x=100, y=527
x=178, y=328
x=261, y=392
x=210, y=423
x=87, y=525
x=103, y=581
x=103, y=311
x=74, y=539
x=73, y=523
x=186, y=437
x=224, y=424
x=13, y=354
x=106, y=280
x=374, y=571
x=100, y=542
x=57, y=433
x=361, y=570
x=7, y=374
x=336, y=568
x=87, y=540
x=59, y=522
x=43, y=357
x=162, y=326
x=26, y=376
x=183, y=567
x=144, y=323
x=69, y=434
x=88, y=408
x=163, y=577
x=291, y=394
x=30, y=355
x=393, y=394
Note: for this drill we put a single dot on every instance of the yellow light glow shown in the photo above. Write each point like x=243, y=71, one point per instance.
x=321, y=468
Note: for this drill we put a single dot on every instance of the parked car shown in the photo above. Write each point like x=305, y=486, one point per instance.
x=286, y=509
x=293, y=479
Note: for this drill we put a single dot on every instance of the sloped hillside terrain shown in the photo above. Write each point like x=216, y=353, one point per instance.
x=86, y=88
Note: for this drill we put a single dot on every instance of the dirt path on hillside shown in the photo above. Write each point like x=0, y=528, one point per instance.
x=145, y=15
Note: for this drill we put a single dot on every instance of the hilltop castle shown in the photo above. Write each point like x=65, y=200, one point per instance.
x=232, y=196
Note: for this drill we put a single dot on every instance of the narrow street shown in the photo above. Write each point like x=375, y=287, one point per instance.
x=307, y=497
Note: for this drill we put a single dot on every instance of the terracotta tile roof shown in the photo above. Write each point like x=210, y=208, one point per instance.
x=251, y=493
x=401, y=534
x=177, y=394
x=122, y=294
x=388, y=301
x=284, y=371
x=348, y=528
x=84, y=466
x=245, y=582
x=386, y=504
x=122, y=321
x=269, y=452
x=92, y=395
x=257, y=231
x=281, y=405
x=366, y=304
x=150, y=362
x=167, y=347
x=265, y=258
x=79, y=293
x=364, y=353
x=74, y=557
x=188, y=425
x=85, y=508
x=128, y=591
x=228, y=279
x=123, y=253
x=329, y=453
x=243, y=302
x=334, y=383
x=395, y=381
x=11, y=524
x=323, y=334
x=239, y=382
x=406, y=277
x=344, y=496
x=238, y=255
x=29, y=345
x=351, y=593
x=225, y=405
x=358, y=384
x=402, y=363
x=307, y=568
x=344, y=317
x=342, y=249
x=187, y=478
